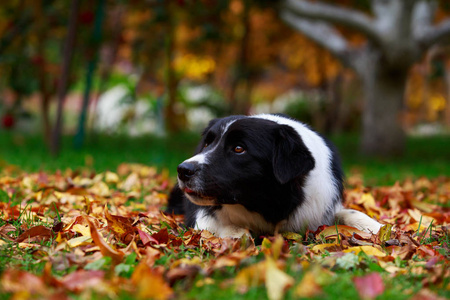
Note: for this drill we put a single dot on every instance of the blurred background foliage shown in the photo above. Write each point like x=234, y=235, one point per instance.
x=165, y=68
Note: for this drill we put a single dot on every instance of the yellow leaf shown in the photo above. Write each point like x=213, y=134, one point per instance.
x=81, y=229
x=100, y=188
x=367, y=201
x=79, y=241
x=323, y=247
x=308, y=287
x=111, y=177
x=276, y=246
x=252, y=275
x=292, y=236
x=369, y=250
x=277, y=281
x=385, y=232
x=266, y=244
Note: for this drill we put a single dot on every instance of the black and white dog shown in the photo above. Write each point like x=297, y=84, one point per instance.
x=262, y=174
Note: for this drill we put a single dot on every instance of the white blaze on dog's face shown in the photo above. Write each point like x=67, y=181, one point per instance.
x=190, y=176
x=242, y=160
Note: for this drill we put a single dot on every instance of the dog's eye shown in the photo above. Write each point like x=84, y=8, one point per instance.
x=239, y=149
x=206, y=145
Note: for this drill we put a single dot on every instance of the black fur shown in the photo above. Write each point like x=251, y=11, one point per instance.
x=267, y=179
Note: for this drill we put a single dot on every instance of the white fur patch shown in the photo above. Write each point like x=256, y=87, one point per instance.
x=359, y=220
x=208, y=222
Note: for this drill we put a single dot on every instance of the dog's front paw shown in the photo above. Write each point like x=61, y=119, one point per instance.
x=233, y=232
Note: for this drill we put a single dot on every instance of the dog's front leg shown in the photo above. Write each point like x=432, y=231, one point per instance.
x=217, y=227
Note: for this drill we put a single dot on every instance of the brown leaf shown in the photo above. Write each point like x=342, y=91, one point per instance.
x=81, y=280
x=37, y=233
x=13, y=281
x=186, y=272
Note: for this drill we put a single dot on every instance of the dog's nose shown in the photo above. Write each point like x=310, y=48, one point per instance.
x=186, y=170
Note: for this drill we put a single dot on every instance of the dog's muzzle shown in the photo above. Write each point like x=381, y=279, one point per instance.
x=186, y=173
x=187, y=170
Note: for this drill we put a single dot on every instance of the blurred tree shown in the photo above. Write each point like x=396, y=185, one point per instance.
x=63, y=83
x=398, y=33
x=95, y=42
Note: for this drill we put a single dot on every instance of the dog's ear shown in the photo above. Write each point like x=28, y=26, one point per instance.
x=291, y=156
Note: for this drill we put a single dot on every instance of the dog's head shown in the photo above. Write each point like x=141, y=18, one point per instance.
x=240, y=158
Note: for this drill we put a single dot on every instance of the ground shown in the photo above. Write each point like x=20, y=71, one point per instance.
x=82, y=234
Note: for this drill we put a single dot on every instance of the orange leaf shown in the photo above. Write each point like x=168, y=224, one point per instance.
x=150, y=283
x=105, y=249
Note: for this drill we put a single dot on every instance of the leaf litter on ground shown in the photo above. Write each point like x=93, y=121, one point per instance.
x=80, y=233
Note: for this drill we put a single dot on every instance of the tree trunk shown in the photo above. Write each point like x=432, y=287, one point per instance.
x=173, y=119
x=91, y=67
x=384, y=90
x=240, y=101
x=65, y=72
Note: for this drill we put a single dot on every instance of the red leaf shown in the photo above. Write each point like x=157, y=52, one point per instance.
x=161, y=236
x=146, y=238
x=369, y=286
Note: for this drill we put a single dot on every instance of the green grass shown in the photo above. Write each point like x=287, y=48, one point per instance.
x=105, y=153
x=425, y=156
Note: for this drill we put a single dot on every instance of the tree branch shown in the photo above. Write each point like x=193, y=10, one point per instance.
x=435, y=34
x=333, y=14
x=322, y=34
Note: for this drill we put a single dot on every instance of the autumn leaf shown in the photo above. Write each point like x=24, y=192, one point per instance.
x=36, y=233
x=369, y=286
x=369, y=250
x=114, y=245
x=150, y=283
x=332, y=231
x=277, y=281
x=105, y=249
x=308, y=287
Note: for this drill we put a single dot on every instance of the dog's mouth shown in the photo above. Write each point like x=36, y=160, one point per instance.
x=198, y=198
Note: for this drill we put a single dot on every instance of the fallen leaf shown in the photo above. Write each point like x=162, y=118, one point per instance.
x=331, y=231
x=37, y=233
x=369, y=250
x=105, y=249
x=277, y=281
x=369, y=286
x=150, y=283
x=308, y=287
